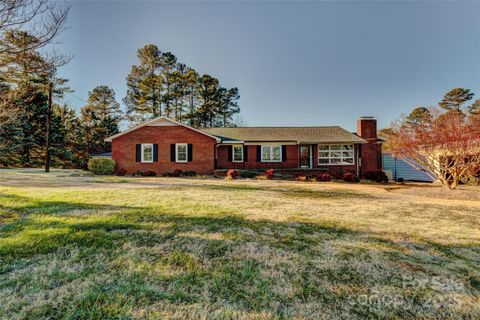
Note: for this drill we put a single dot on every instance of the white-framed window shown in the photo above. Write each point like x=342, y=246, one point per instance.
x=336, y=154
x=181, y=152
x=147, y=152
x=237, y=153
x=271, y=153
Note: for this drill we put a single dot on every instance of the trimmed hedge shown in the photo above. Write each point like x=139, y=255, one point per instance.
x=179, y=173
x=324, y=177
x=101, y=166
x=189, y=173
x=248, y=174
x=350, y=177
x=149, y=173
x=376, y=176
x=121, y=172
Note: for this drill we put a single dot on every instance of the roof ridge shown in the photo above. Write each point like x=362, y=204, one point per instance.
x=303, y=134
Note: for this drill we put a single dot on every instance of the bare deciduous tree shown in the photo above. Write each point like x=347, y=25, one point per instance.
x=448, y=144
x=42, y=19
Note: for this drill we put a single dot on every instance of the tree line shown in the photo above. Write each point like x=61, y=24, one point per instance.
x=158, y=85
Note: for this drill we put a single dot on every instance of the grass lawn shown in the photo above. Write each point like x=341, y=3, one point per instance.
x=74, y=246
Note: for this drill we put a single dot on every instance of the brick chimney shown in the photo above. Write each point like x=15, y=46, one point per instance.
x=371, y=152
x=367, y=128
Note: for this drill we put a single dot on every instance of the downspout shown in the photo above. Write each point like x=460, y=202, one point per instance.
x=298, y=152
x=311, y=157
x=359, y=159
x=215, y=156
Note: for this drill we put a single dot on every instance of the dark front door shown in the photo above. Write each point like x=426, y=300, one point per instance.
x=304, y=155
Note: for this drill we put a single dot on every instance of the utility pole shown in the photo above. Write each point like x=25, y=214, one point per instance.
x=47, y=132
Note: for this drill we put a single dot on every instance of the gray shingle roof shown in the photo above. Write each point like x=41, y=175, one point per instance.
x=295, y=134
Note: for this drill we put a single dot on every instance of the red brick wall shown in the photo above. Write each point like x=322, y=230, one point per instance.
x=372, y=151
x=291, y=163
x=203, y=162
x=251, y=163
x=203, y=149
x=371, y=157
x=367, y=129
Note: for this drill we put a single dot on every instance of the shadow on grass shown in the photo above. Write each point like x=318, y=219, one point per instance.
x=45, y=226
x=25, y=205
x=241, y=263
x=293, y=192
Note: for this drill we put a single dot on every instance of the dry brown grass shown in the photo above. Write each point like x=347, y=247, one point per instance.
x=78, y=246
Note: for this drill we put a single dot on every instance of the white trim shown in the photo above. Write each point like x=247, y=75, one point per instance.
x=310, y=157
x=271, y=152
x=233, y=153
x=330, y=157
x=229, y=142
x=333, y=142
x=141, y=152
x=271, y=143
x=150, y=122
x=186, y=152
x=292, y=143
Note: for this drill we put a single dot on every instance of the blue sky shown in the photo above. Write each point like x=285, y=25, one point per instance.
x=295, y=63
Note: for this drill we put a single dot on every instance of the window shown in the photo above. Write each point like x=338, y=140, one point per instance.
x=237, y=153
x=181, y=152
x=147, y=152
x=335, y=154
x=271, y=153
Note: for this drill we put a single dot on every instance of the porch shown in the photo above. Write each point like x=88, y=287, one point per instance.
x=289, y=157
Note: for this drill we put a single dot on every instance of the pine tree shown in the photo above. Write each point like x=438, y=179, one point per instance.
x=228, y=106
x=3, y=87
x=418, y=116
x=455, y=98
x=474, y=113
x=159, y=85
x=179, y=91
x=144, y=93
x=69, y=153
x=210, y=101
x=100, y=119
x=102, y=100
x=475, y=107
x=27, y=74
x=168, y=62
x=192, y=84
x=11, y=136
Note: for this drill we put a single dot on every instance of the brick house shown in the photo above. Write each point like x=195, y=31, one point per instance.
x=162, y=145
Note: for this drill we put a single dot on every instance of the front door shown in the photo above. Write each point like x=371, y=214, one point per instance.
x=304, y=155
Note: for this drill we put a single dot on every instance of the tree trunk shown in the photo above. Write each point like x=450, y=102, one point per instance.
x=176, y=109
x=454, y=184
x=167, y=103
x=47, y=132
